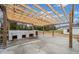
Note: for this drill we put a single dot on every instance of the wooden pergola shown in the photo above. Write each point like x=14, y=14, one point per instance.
x=19, y=13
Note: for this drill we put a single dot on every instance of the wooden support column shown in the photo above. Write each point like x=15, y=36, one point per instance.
x=53, y=31
x=43, y=30
x=8, y=28
x=3, y=8
x=8, y=24
x=71, y=18
x=32, y=27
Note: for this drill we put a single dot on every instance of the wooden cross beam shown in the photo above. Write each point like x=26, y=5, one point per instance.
x=35, y=13
x=20, y=17
x=56, y=13
x=65, y=14
x=53, y=18
x=44, y=21
x=28, y=8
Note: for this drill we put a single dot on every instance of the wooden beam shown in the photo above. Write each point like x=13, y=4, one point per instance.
x=53, y=18
x=17, y=9
x=70, y=26
x=21, y=17
x=33, y=27
x=55, y=12
x=35, y=13
x=53, y=31
x=43, y=30
x=8, y=24
x=64, y=12
x=28, y=8
x=31, y=14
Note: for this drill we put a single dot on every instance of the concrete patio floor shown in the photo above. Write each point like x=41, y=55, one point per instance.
x=44, y=45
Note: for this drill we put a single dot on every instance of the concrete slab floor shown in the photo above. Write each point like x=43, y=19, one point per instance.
x=44, y=45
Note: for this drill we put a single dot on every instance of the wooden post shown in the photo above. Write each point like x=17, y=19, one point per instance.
x=43, y=30
x=3, y=8
x=8, y=25
x=53, y=31
x=8, y=28
x=71, y=18
x=33, y=27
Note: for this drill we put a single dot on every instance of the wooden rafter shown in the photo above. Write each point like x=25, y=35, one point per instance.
x=18, y=8
x=64, y=12
x=35, y=12
x=28, y=8
x=56, y=13
x=9, y=10
x=20, y=17
x=34, y=15
x=54, y=19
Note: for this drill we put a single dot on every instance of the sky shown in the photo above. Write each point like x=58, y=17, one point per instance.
x=58, y=9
